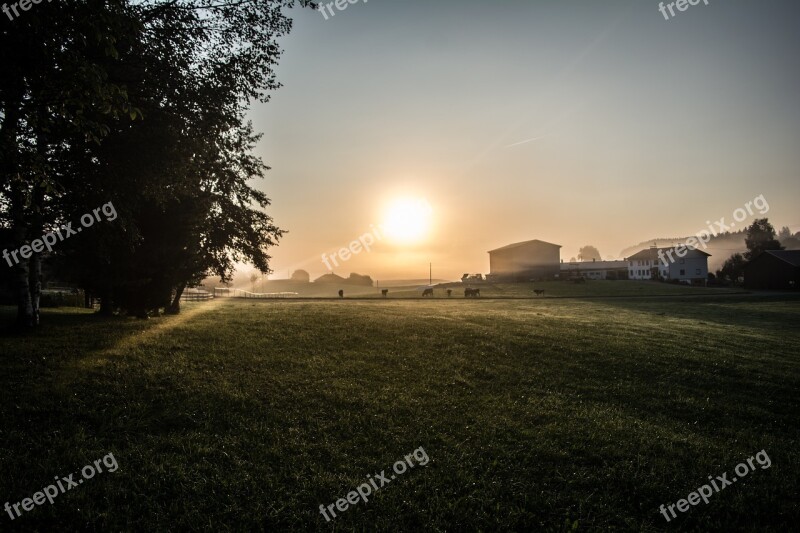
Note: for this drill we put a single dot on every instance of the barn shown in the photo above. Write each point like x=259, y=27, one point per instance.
x=524, y=261
x=774, y=269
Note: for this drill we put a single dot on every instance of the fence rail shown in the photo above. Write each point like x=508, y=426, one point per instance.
x=239, y=293
x=196, y=296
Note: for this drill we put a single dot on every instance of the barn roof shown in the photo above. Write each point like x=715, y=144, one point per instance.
x=523, y=243
x=790, y=256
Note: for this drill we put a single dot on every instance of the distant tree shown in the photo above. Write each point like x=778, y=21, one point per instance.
x=301, y=275
x=789, y=241
x=733, y=268
x=253, y=280
x=572, y=260
x=760, y=237
x=589, y=253
x=358, y=279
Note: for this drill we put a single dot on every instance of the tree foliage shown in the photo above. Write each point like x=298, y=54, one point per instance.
x=761, y=237
x=141, y=104
x=589, y=253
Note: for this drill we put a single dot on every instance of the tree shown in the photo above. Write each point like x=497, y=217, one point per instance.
x=589, y=253
x=787, y=240
x=733, y=268
x=760, y=237
x=55, y=88
x=301, y=276
x=178, y=174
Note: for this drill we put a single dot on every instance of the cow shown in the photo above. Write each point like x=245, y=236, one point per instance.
x=472, y=293
x=341, y=293
x=384, y=292
x=449, y=292
x=539, y=292
x=427, y=292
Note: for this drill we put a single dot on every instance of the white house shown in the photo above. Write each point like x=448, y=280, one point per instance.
x=680, y=263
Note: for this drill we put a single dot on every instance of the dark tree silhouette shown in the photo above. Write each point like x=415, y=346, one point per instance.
x=589, y=253
x=142, y=104
x=760, y=237
x=733, y=268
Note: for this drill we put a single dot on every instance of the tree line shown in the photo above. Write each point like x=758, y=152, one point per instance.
x=141, y=104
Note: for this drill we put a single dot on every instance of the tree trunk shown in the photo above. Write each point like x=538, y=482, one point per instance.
x=175, y=307
x=106, y=303
x=22, y=273
x=35, y=287
x=24, y=303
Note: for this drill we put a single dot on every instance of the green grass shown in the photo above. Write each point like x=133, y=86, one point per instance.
x=536, y=414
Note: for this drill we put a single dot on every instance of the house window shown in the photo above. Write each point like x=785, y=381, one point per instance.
x=683, y=272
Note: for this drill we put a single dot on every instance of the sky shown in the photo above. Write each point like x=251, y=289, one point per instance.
x=573, y=122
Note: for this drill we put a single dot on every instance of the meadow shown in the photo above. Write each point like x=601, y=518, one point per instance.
x=541, y=414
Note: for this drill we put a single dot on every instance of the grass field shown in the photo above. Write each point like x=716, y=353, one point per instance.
x=549, y=414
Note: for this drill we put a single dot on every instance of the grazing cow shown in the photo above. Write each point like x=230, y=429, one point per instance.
x=449, y=292
x=384, y=292
x=341, y=293
x=427, y=292
x=472, y=293
x=539, y=292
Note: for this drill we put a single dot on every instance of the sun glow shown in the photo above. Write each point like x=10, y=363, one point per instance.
x=408, y=220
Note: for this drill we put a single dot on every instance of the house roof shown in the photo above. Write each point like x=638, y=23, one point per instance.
x=652, y=253
x=790, y=256
x=523, y=243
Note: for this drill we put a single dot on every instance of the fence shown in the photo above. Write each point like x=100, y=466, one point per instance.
x=239, y=293
x=196, y=296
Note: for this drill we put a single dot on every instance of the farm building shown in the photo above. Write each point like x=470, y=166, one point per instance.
x=667, y=264
x=595, y=270
x=524, y=261
x=774, y=269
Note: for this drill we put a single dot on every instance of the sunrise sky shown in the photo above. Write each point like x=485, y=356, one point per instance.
x=637, y=127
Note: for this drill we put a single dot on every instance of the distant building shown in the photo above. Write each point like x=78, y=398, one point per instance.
x=524, y=261
x=354, y=279
x=330, y=278
x=595, y=270
x=774, y=269
x=668, y=265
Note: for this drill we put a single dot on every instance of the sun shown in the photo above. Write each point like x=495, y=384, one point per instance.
x=407, y=220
